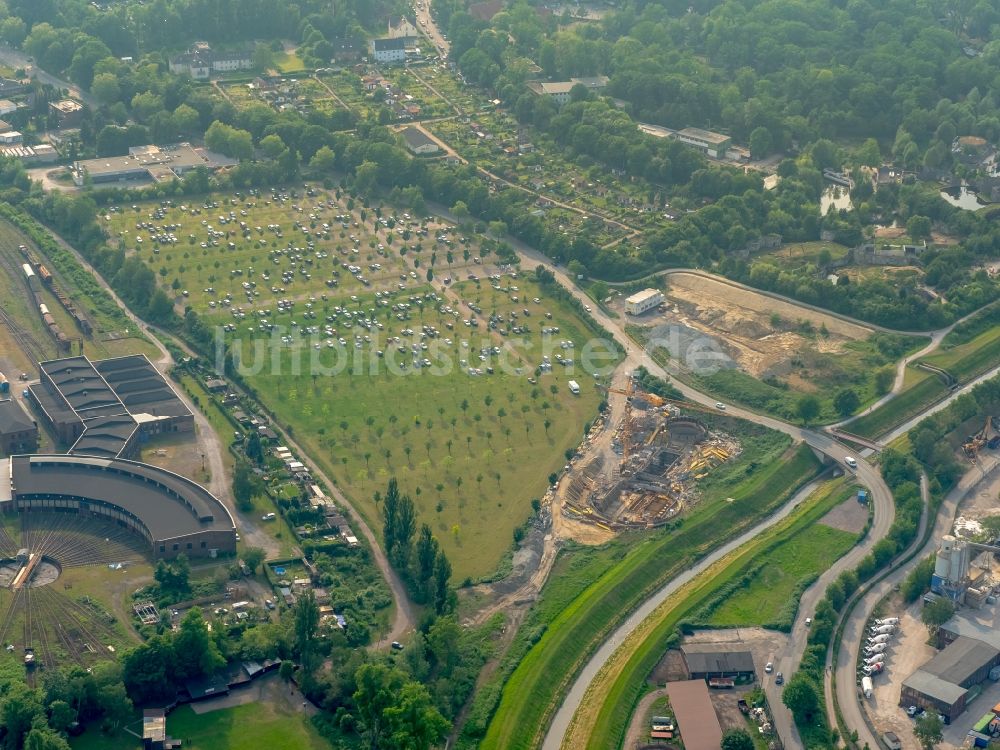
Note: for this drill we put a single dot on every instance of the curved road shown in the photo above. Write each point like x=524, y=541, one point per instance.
x=17, y=59
x=635, y=356
x=847, y=696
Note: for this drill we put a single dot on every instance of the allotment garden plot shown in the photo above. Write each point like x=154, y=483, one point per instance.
x=458, y=384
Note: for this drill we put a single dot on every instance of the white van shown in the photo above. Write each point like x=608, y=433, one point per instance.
x=851, y=462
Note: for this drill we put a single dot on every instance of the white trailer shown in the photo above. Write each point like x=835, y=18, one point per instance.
x=866, y=686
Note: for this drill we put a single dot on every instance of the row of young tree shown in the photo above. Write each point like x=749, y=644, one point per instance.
x=416, y=555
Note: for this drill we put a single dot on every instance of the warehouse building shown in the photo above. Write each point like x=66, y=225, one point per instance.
x=643, y=301
x=144, y=163
x=18, y=431
x=696, y=717
x=418, y=142
x=109, y=407
x=173, y=514
x=943, y=683
x=707, y=661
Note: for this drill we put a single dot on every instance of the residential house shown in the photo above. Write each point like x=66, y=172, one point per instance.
x=559, y=91
x=388, y=50
x=200, y=62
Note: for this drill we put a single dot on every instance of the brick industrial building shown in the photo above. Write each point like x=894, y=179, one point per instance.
x=108, y=407
x=173, y=514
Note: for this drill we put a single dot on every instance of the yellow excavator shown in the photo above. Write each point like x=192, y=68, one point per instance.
x=988, y=436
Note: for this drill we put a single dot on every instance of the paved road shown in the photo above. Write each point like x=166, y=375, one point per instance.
x=422, y=9
x=847, y=696
x=557, y=731
x=17, y=59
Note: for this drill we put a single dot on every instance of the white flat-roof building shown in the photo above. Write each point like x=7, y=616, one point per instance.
x=713, y=144
x=559, y=91
x=642, y=301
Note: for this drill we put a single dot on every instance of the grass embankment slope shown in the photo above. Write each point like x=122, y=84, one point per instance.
x=790, y=564
x=967, y=352
x=606, y=709
x=756, y=486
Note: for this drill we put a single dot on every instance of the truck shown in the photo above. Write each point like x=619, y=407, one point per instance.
x=882, y=629
x=888, y=621
x=866, y=686
x=882, y=638
x=863, y=497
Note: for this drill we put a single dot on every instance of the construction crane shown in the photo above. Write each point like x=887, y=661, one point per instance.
x=987, y=436
x=652, y=437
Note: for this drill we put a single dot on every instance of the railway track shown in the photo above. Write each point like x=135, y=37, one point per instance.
x=8, y=617
x=28, y=343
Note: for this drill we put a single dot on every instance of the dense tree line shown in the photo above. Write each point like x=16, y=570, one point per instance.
x=780, y=73
x=416, y=555
x=133, y=27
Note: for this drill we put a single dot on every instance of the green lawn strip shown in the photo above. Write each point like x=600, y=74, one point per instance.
x=258, y=724
x=223, y=425
x=924, y=388
x=619, y=702
x=789, y=565
x=539, y=681
x=971, y=359
x=252, y=725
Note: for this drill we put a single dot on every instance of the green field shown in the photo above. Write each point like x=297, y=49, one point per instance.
x=602, y=719
x=377, y=368
x=288, y=62
x=471, y=450
x=799, y=254
x=254, y=725
x=537, y=684
x=789, y=564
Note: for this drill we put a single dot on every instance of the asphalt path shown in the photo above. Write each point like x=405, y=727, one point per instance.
x=17, y=59
x=422, y=10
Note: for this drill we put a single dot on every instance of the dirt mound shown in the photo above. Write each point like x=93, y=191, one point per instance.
x=713, y=293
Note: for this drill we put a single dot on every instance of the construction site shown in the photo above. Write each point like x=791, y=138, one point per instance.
x=646, y=474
